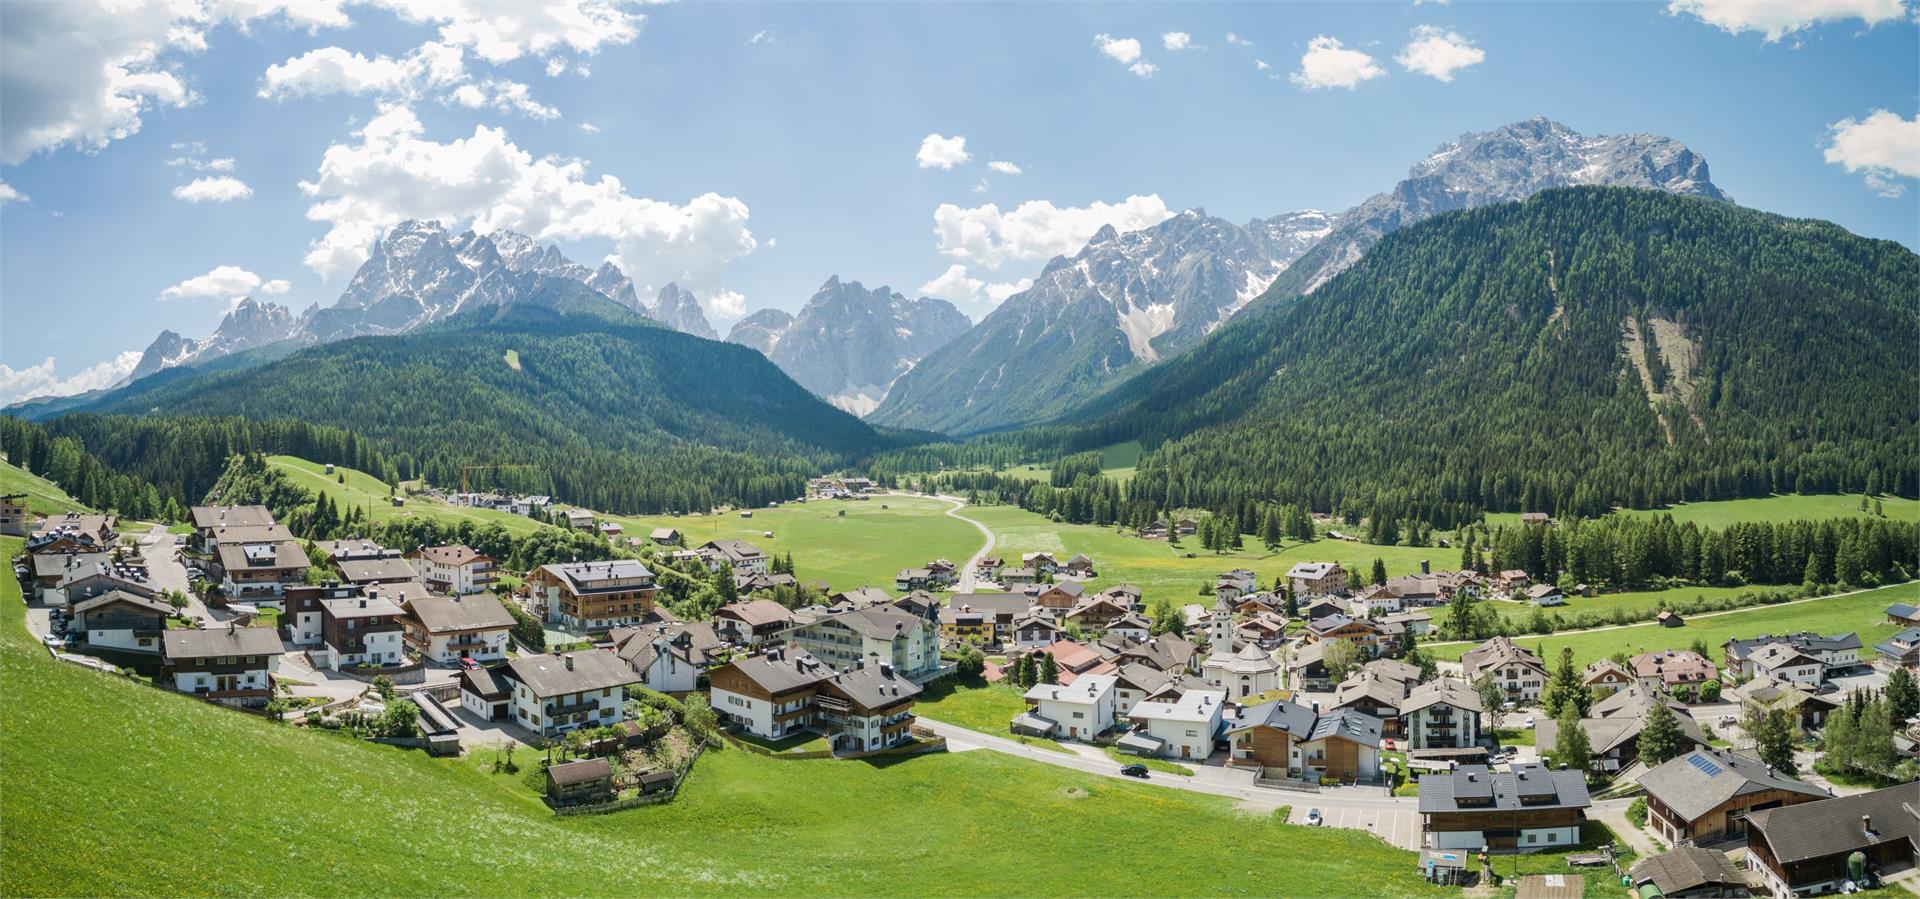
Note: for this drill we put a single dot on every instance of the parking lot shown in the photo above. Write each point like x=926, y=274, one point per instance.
x=1399, y=826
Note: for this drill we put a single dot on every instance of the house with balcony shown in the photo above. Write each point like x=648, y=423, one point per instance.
x=1902, y=650
x=662, y=654
x=1669, y=669
x=594, y=596
x=769, y=696
x=95, y=531
x=86, y=580
x=254, y=571
x=1289, y=740
x=1182, y=728
x=865, y=709
x=1443, y=714
x=741, y=555
x=1614, y=724
x=1831, y=651
x=1082, y=710
x=447, y=629
x=363, y=631
x=552, y=694
x=456, y=569
x=1703, y=797
x=14, y=517
x=751, y=623
x=1526, y=809
x=1516, y=669
x=1308, y=579
x=120, y=620
x=209, y=521
x=1804, y=850
x=231, y=665
x=870, y=637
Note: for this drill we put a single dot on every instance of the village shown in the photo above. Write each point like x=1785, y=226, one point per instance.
x=1314, y=692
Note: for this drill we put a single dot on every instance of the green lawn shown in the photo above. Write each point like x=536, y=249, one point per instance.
x=143, y=777
x=1789, y=507
x=866, y=547
x=43, y=496
x=1636, y=601
x=364, y=491
x=804, y=741
x=1153, y=764
x=1160, y=569
x=977, y=705
x=1862, y=612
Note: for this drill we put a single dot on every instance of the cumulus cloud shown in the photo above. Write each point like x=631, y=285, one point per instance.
x=9, y=195
x=1237, y=40
x=938, y=152
x=763, y=36
x=1176, y=40
x=1775, y=19
x=1439, y=53
x=1004, y=167
x=1126, y=51
x=1329, y=64
x=431, y=67
x=216, y=189
x=224, y=282
x=83, y=73
x=502, y=32
x=957, y=285
x=725, y=305
x=1036, y=229
x=589, y=128
x=41, y=380
x=1883, y=147
x=193, y=155
x=486, y=182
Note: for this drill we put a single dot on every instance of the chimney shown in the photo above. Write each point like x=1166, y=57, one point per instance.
x=569, y=659
x=1866, y=823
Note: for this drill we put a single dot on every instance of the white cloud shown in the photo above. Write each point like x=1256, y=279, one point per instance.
x=1004, y=167
x=430, y=67
x=1439, y=53
x=1237, y=40
x=556, y=68
x=1261, y=64
x=193, y=156
x=955, y=284
x=589, y=128
x=332, y=70
x=40, y=380
x=1036, y=229
x=9, y=195
x=1776, y=19
x=763, y=36
x=501, y=32
x=83, y=74
x=217, y=189
x=1176, y=40
x=1126, y=51
x=486, y=182
x=938, y=152
x=1328, y=64
x=725, y=305
x=224, y=282
x=1883, y=146
x=512, y=96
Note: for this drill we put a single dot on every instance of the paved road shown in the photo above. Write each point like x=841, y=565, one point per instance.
x=162, y=554
x=1358, y=808
x=966, y=583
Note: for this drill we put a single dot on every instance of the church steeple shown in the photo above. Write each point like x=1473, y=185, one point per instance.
x=1220, y=629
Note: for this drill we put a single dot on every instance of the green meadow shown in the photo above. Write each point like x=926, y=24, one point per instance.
x=44, y=497
x=154, y=794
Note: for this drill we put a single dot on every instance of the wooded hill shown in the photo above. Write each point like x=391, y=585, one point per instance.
x=1584, y=348
x=610, y=412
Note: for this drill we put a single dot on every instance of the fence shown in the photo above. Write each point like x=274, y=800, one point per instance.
x=601, y=808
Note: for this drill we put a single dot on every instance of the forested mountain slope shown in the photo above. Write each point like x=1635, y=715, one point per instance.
x=1586, y=347
x=620, y=415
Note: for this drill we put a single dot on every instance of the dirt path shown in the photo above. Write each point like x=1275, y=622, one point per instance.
x=966, y=582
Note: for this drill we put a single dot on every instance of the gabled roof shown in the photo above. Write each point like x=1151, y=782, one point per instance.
x=1902, y=610
x=1833, y=826
x=358, y=571
x=110, y=597
x=1447, y=691
x=550, y=675
x=581, y=771
x=871, y=687
x=278, y=554
x=453, y=614
x=1084, y=689
x=755, y=613
x=876, y=623
x=1695, y=783
x=211, y=516
x=455, y=554
x=1440, y=793
x=1499, y=652
x=1685, y=869
x=191, y=643
x=1194, y=705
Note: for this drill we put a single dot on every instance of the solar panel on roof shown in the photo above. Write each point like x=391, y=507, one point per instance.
x=1711, y=769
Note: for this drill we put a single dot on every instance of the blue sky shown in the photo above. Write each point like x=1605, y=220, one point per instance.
x=749, y=151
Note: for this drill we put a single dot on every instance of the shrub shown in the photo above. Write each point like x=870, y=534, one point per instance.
x=1637, y=812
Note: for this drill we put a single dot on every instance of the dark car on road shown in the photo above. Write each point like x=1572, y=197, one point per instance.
x=1134, y=771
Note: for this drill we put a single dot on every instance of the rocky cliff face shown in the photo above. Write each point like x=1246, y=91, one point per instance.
x=249, y=324
x=849, y=344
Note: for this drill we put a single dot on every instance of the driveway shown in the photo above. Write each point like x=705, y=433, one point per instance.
x=161, y=550
x=966, y=582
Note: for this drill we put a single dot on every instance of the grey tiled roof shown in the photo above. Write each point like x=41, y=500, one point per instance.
x=1441, y=792
x=1697, y=782
x=1833, y=826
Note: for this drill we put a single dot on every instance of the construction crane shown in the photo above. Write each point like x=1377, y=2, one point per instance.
x=464, y=469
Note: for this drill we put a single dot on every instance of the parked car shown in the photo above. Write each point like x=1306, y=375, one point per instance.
x=1135, y=770
x=469, y=663
x=1528, y=723
x=1729, y=720
x=54, y=641
x=1313, y=818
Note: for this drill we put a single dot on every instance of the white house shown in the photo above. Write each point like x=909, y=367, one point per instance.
x=450, y=628
x=661, y=656
x=1784, y=664
x=455, y=569
x=232, y=665
x=553, y=694
x=1374, y=599
x=121, y=620
x=1182, y=728
x=1249, y=671
x=1078, y=712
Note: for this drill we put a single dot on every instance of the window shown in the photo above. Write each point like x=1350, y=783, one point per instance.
x=1553, y=837
x=1533, y=838
x=1079, y=715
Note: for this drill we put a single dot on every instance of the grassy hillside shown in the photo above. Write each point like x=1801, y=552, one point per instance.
x=153, y=794
x=866, y=547
x=1862, y=612
x=43, y=496
x=1783, y=508
x=364, y=491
